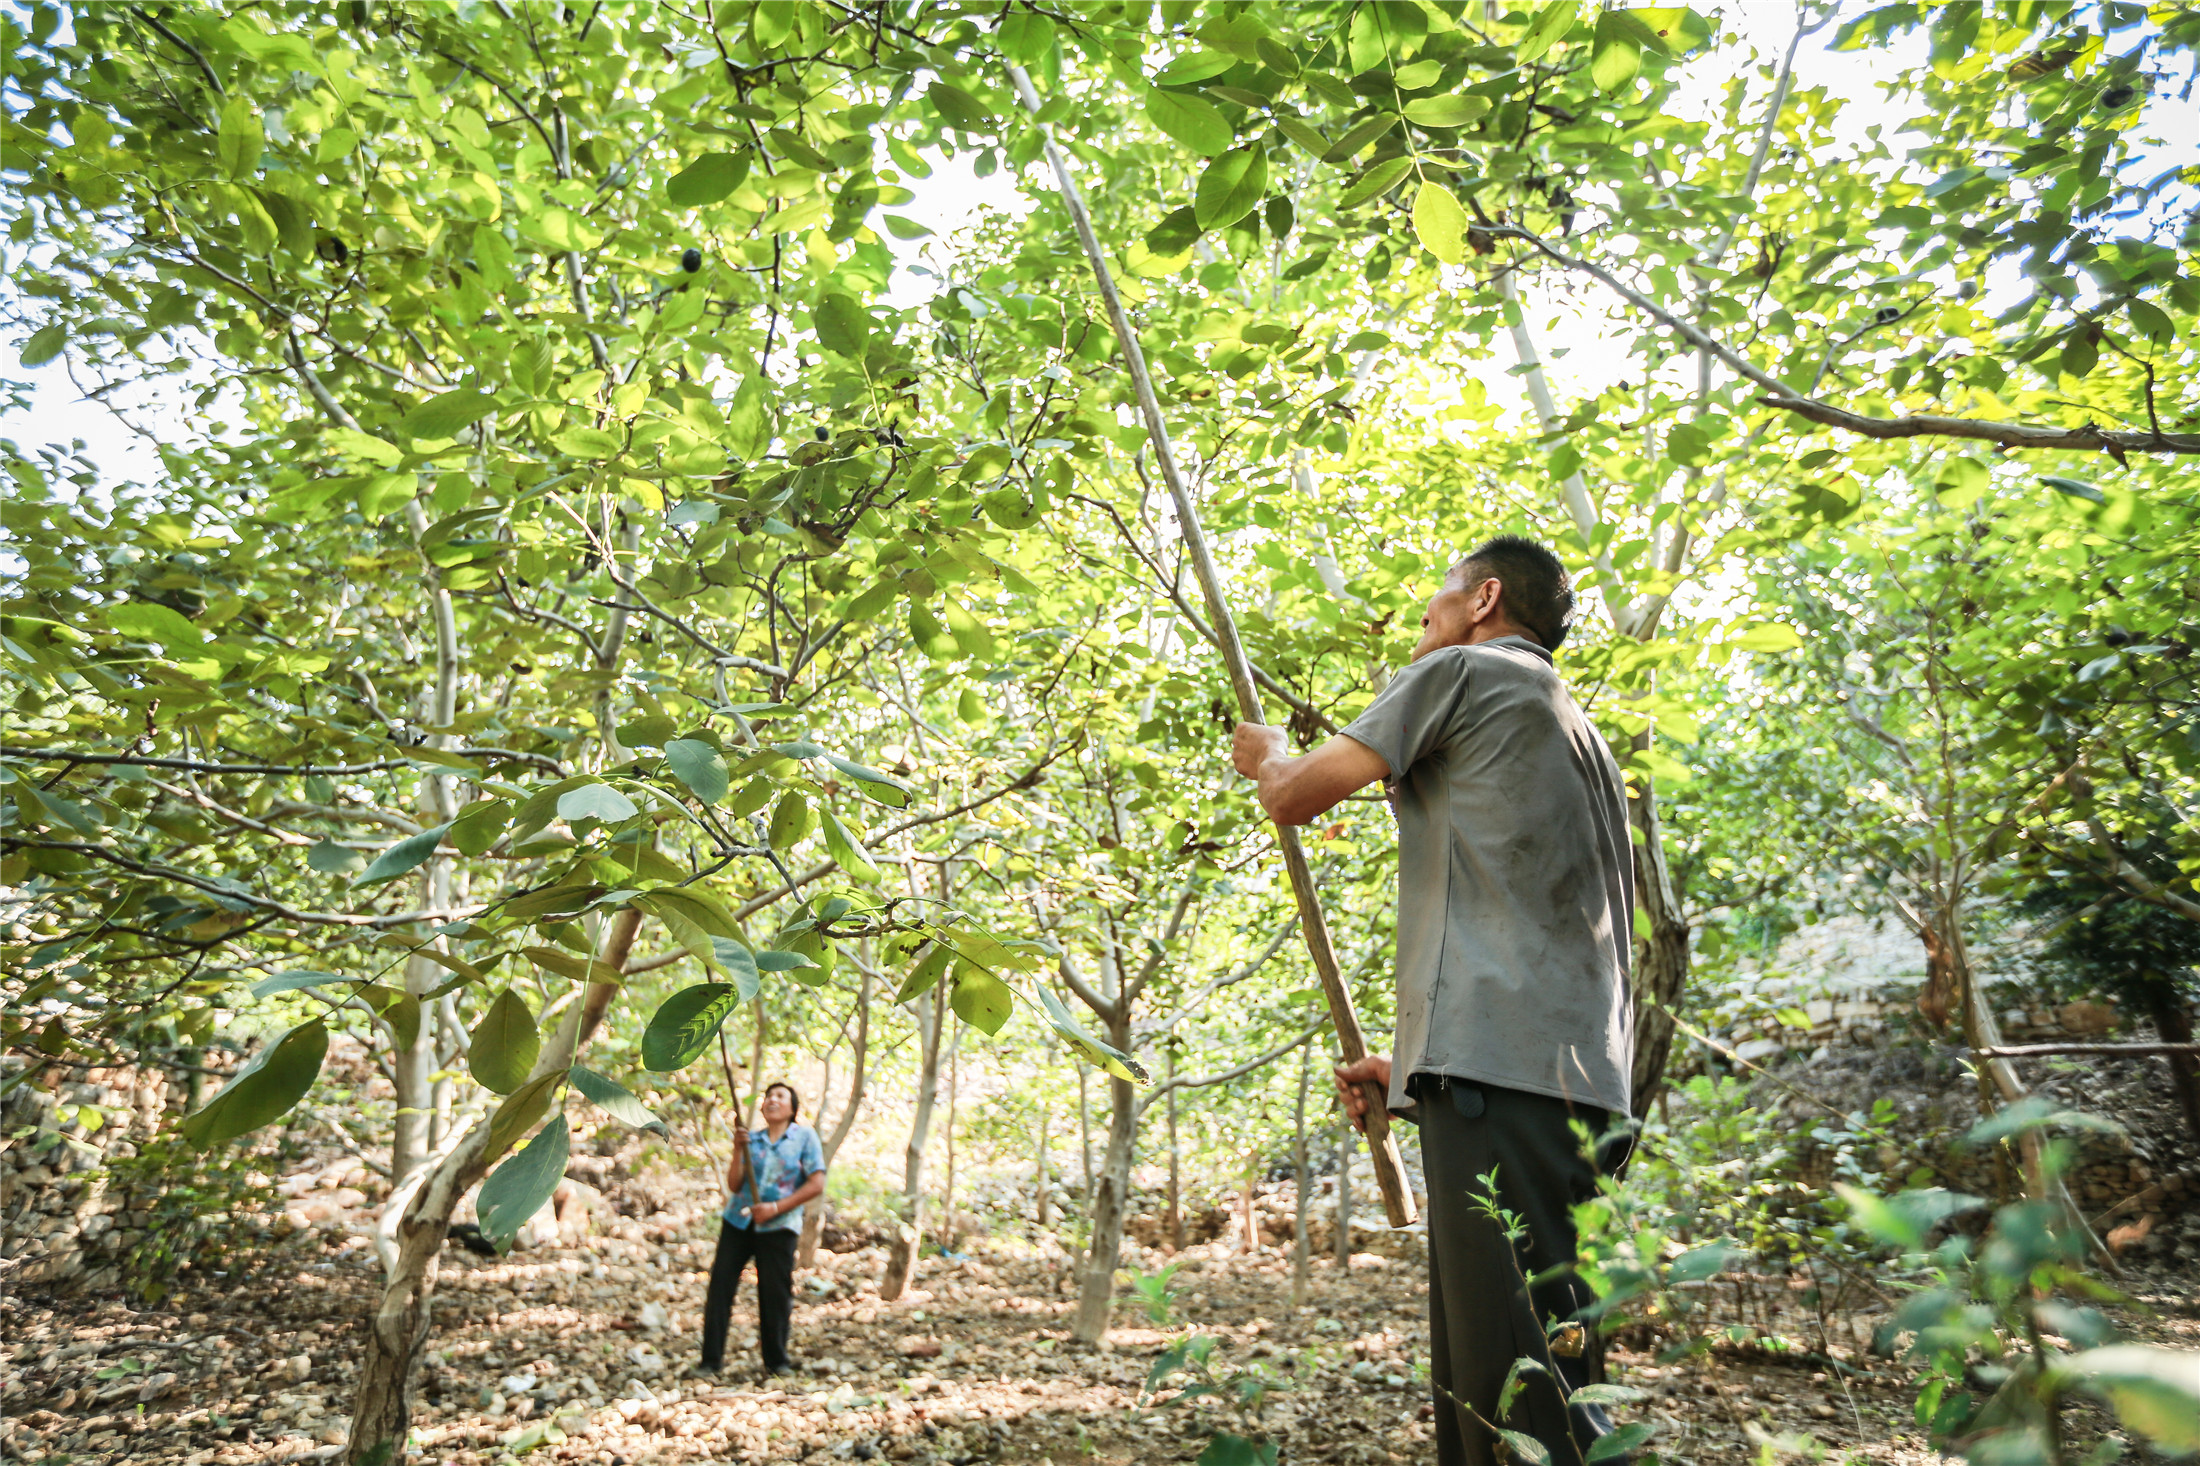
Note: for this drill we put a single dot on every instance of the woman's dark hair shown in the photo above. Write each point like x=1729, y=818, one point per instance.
x=794, y=1101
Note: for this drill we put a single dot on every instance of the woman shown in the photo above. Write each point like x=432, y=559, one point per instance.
x=771, y=1175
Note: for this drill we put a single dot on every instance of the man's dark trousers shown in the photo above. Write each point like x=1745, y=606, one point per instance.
x=773, y=1253
x=1481, y=1314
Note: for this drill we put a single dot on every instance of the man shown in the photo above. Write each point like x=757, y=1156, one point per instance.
x=771, y=1176
x=1515, y=910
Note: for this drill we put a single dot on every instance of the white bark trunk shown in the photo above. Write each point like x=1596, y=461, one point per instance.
x=901, y=1258
x=381, y=1406
x=1302, y=1248
x=1111, y=1204
x=1344, y=1194
x=1040, y=1186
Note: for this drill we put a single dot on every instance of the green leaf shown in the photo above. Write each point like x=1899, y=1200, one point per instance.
x=769, y=960
x=1231, y=187
x=295, y=979
x=926, y=973
x=332, y=859
x=1439, y=223
x=1904, y=1221
x=1226, y=1449
x=1304, y=134
x=1177, y=232
x=1526, y=1448
x=884, y=788
x=582, y=441
x=1618, y=1442
x=684, y=1025
x=2150, y=321
x=1360, y=138
x=504, y=1045
x=2036, y=1112
x=518, y=1189
x=1026, y=37
x=1195, y=123
x=45, y=344
x=1549, y=26
x=697, y=908
x=707, y=180
x=699, y=766
x=522, y=1110
x=1616, y=52
x=790, y=820
x=734, y=955
x=448, y=415
x=151, y=621
x=264, y=1090
x=843, y=325
x=959, y=108
x=480, y=825
x=749, y=419
x=1446, y=111
x=595, y=801
x=401, y=857
x=1607, y=1395
x=1378, y=178
x=1701, y=1263
x=846, y=850
x=982, y=1000
x=2077, y=488
x=1090, y=1049
x=2155, y=1391
x=242, y=137
x=616, y=1100
x=1194, y=66
x=573, y=965
x=1769, y=637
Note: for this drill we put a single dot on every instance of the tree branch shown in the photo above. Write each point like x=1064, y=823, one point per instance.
x=1229, y=1074
x=2087, y=439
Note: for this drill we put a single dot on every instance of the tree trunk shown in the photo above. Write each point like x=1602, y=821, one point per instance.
x=1661, y=959
x=1998, y=1078
x=1110, y=1204
x=1245, y=1210
x=1176, y=1162
x=1344, y=1194
x=414, y=1064
x=1937, y=1002
x=901, y=1257
x=813, y=1220
x=948, y=1235
x=1040, y=1186
x=1302, y=1247
x=1084, y=1134
x=381, y=1414
x=449, y=1049
x=2173, y=1024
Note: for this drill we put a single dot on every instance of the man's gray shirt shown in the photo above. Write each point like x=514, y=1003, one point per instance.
x=1516, y=886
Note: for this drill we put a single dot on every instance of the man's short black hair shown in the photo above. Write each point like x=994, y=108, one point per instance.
x=794, y=1101
x=1538, y=594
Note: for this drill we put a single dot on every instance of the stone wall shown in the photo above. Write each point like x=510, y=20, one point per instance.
x=61, y=1222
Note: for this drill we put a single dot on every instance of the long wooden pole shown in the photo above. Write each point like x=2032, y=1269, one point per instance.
x=1351, y=1042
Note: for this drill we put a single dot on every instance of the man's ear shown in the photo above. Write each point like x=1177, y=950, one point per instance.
x=1489, y=599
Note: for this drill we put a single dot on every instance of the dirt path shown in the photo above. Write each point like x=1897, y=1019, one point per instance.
x=577, y=1355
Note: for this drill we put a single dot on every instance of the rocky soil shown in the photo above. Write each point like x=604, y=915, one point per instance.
x=577, y=1353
